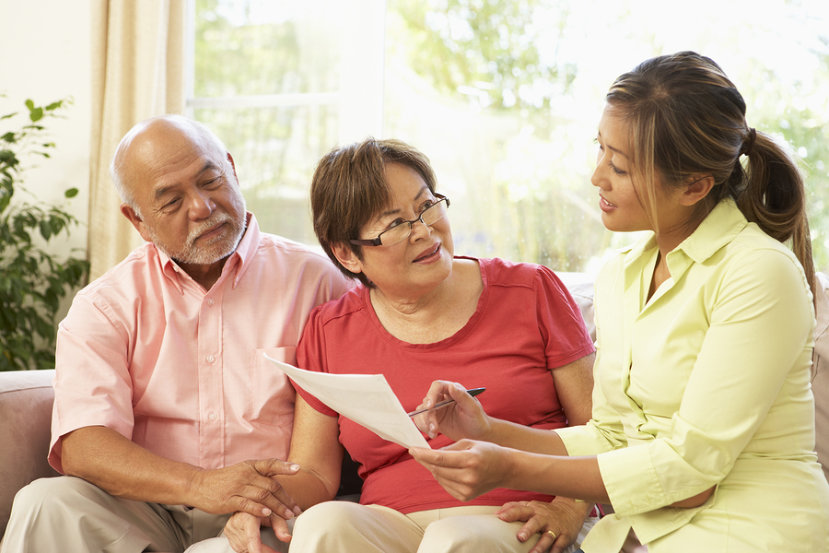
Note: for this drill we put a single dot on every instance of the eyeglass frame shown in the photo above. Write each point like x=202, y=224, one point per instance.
x=378, y=240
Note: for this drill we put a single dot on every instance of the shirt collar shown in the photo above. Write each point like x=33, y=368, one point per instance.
x=245, y=251
x=240, y=258
x=719, y=227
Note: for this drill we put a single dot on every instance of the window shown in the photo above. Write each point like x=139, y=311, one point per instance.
x=281, y=83
x=503, y=96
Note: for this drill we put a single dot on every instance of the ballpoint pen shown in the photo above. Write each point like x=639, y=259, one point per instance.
x=472, y=392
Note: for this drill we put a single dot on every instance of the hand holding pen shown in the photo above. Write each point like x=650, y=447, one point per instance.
x=452, y=410
x=471, y=391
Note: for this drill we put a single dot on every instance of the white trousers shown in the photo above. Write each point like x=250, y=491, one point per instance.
x=69, y=514
x=349, y=527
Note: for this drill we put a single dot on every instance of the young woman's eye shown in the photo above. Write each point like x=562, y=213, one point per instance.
x=617, y=170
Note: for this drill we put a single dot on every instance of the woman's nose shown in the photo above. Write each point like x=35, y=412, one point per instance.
x=599, y=178
x=419, y=229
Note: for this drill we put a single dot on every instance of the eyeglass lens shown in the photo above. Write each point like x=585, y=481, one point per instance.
x=428, y=216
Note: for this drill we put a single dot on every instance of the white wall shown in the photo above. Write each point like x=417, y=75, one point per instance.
x=45, y=55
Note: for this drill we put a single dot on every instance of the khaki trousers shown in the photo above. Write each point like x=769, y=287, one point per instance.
x=69, y=514
x=349, y=527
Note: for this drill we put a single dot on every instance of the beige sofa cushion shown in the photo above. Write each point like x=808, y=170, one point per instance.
x=25, y=420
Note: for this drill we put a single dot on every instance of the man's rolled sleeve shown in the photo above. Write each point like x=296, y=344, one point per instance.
x=92, y=384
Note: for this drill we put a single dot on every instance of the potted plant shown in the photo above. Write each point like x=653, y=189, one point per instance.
x=33, y=278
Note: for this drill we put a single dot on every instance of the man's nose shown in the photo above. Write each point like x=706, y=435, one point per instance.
x=201, y=206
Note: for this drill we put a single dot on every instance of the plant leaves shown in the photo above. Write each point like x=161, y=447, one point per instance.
x=36, y=114
x=34, y=278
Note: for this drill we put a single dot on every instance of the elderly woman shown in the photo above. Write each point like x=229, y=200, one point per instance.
x=420, y=314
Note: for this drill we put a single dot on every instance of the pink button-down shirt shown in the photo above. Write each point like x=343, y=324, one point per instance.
x=147, y=352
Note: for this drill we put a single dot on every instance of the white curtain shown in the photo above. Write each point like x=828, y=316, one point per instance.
x=138, y=53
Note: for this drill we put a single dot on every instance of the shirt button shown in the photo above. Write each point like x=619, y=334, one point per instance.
x=211, y=416
x=210, y=301
x=210, y=358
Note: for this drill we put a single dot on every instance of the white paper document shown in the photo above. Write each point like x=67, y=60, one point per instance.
x=367, y=399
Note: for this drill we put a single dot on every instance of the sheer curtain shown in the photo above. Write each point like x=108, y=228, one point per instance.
x=138, y=52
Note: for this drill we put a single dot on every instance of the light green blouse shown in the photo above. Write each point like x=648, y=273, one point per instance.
x=706, y=383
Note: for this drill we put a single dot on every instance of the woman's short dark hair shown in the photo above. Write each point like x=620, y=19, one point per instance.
x=349, y=188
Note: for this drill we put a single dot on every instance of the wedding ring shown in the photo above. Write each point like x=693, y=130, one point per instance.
x=552, y=534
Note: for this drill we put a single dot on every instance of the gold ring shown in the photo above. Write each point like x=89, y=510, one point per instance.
x=552, y=534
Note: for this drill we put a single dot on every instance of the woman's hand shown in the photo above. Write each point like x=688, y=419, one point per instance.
x=466, y=469
x=243, y=532
x=563, y=517
x=465, y=418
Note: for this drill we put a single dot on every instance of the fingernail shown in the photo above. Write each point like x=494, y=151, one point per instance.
x=297, y=510
x=266, y=512
x=294, y=467
x=522, y=536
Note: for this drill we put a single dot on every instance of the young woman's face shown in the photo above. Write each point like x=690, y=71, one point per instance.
x=622, y=209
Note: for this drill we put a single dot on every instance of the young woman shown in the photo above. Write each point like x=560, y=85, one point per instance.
x=702, y=435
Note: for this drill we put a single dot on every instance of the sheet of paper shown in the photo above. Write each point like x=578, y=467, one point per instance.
x=367, y=399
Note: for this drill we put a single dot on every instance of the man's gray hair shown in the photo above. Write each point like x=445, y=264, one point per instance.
x=117, y=163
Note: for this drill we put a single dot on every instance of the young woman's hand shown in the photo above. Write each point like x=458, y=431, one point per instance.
x=466, y=469
x=464, y=418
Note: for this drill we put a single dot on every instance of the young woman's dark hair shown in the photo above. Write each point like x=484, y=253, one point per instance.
x=687, y=117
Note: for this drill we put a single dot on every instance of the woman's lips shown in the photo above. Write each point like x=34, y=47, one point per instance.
x=428, y=255
x=604, y=205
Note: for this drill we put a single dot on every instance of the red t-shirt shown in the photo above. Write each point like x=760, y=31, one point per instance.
x=525, y=324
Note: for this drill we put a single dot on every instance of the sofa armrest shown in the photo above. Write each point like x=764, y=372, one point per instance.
x=25, y=427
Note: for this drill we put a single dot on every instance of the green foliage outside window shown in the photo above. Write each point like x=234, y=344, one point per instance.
x=492, y=91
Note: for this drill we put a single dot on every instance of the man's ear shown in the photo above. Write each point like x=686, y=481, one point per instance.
x=347, y=257
x=697, y=189
x=136, y=221
x=232, y=166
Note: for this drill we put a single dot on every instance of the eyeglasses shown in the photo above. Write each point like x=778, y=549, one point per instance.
x=402, y=230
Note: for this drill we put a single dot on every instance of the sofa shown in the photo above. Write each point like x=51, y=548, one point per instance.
x=25, y=419
x=26, y=402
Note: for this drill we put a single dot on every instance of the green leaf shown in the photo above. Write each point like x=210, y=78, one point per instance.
x=45, y=229
x=33, y=280
x=36, y=114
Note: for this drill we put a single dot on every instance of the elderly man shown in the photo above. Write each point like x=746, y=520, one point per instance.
x=167, y=417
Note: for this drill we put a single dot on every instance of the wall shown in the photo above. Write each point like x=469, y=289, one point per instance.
x=45, y=56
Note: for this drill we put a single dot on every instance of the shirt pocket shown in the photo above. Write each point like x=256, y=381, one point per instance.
x=271, y=395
